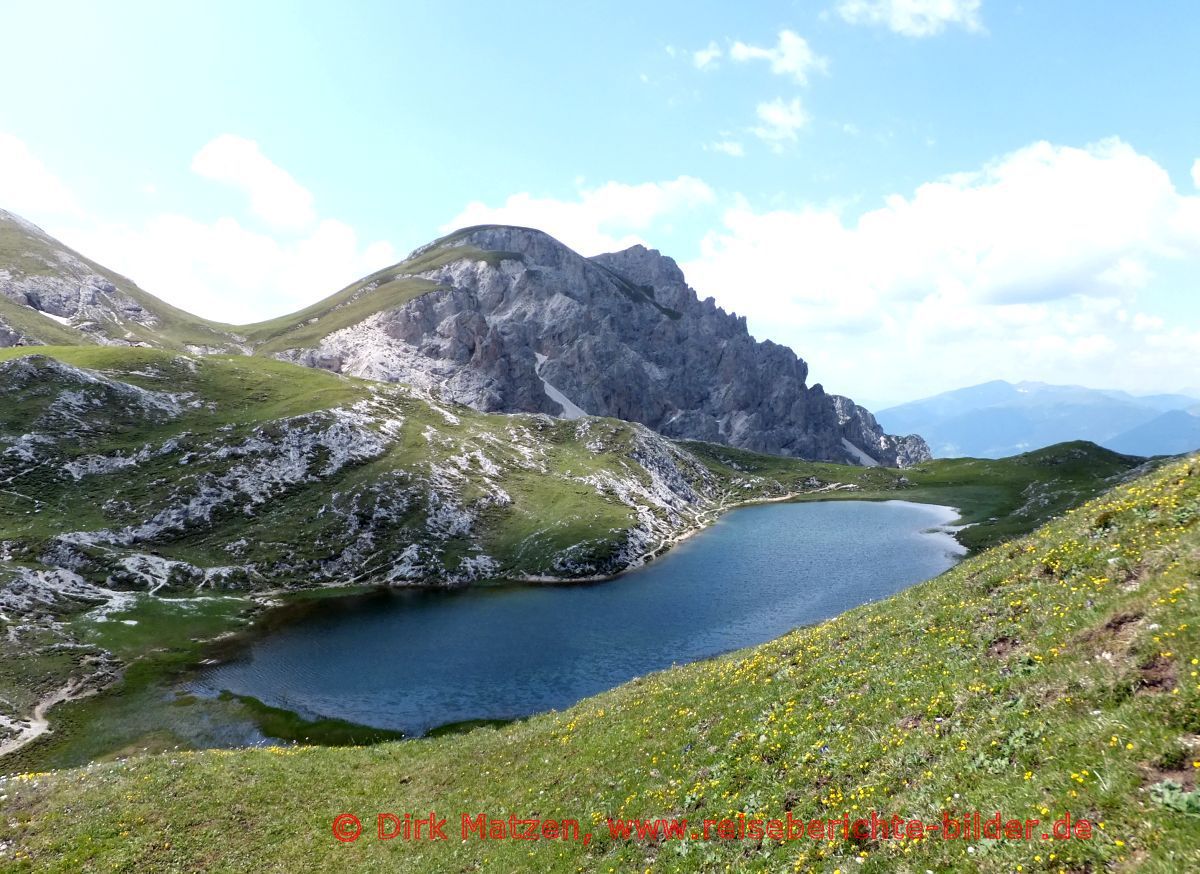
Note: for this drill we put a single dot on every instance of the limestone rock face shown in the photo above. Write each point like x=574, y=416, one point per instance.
x=52, y=280
x=543, y=329
x=52, y=295
x=10, y=336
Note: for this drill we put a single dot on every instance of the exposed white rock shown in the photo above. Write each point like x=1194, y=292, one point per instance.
x=619, y=335
x=24, y=591
x=570, y=410
x=862, y=457
x=410, y=521
x=91, y=465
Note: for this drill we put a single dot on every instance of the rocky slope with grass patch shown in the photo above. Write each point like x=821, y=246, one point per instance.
x=1054, y=673
x=501, y=319
x=507, y=319
x=52, y=295
x=145, y=470
x=134, y=471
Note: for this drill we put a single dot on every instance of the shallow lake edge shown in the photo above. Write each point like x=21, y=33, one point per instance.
x=294, y=605
x=165, y=670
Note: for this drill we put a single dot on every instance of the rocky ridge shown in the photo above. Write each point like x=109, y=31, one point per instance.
x=387, y=485
x=501, y=319
x=543, y=329
x=52, y=294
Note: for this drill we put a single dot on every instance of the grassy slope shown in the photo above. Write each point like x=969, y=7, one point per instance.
x=1056, y=672
x=245, y=388
x=31, y=323
x=998, y=498
x=244, y=391
x=551, y=513
x=383, y=290
x=25, y=254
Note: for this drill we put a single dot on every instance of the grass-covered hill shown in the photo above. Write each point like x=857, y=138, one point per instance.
x=148, y=500
x=385, y=289
x=997, y=498
x=52, y=295
x=1056, y=672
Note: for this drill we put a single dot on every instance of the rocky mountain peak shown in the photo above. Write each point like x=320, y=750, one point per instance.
x=643, y=266
x=522, y=323
x=534, y=246
x=499, y=318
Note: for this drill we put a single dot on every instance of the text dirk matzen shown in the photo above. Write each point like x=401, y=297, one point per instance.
x=348, y=828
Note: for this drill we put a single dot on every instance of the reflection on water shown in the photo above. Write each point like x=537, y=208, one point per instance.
x=415, y=659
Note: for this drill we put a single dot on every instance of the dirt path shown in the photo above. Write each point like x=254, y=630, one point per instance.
x=39, y=723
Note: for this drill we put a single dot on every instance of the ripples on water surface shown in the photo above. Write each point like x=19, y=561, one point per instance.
x=413, y=660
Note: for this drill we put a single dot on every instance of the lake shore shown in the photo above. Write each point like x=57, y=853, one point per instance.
x=270, y=602
x=756, y=575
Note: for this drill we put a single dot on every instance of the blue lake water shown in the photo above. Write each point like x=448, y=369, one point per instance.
x=412, y=660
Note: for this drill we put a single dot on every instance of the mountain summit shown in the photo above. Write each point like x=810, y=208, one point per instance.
x=501, y=319
x=508, y=319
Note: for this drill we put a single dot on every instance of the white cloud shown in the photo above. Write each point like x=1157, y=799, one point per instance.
x=26, y=186
x=707, y=57
x=1125, y=273
x=917, y=18
x=1043, y=222
x=1143, y=322
x=275, y=197
x=779, y=121
x=221, y=270
x=225, y=271
x=602, y=219
x=791, y=56
x=727, y=147
x=1011, y=271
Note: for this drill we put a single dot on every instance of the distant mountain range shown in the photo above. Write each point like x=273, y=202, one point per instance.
x=998, y=418
x=501, y=319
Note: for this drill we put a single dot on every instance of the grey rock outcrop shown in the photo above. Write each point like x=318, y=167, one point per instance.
x=10, y=336
x=42, y=282
x=50, y=279
x=543, y=329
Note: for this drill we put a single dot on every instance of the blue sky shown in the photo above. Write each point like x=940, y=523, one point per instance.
x=913, y=194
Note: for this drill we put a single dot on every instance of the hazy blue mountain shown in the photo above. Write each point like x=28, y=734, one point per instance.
x=1164, y=402
x=1171, y=433
x=998, y=418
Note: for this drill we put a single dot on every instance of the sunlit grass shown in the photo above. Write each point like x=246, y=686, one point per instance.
x=1058, y=672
